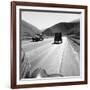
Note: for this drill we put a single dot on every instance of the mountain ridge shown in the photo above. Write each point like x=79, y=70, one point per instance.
x=63, y=27
x=28, y=30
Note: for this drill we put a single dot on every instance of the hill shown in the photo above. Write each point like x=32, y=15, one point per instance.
x=64, y=27
x=28, y=30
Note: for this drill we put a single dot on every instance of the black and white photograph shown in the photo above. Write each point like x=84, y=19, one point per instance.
x=49, y=44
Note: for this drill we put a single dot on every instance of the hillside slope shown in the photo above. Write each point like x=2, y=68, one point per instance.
x=63, y=27
x=28, y=30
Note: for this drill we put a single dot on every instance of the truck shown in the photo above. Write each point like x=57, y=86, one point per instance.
x=37, y=37
x=58, y=38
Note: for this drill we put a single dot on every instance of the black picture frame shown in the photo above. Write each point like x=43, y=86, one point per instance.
x=14, y=84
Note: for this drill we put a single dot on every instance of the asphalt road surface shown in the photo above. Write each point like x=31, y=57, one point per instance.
x=54, y=58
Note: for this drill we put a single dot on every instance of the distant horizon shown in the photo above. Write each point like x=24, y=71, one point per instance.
x=44, y=20
x=47, y=27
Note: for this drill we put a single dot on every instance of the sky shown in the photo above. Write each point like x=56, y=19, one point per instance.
x=43, y=20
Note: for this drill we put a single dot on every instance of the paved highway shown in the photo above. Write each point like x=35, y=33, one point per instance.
x=53, y=58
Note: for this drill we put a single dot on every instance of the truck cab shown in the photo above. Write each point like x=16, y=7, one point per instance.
x=37, y=37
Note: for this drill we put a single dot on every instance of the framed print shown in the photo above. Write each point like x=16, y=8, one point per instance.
x=48, y=44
